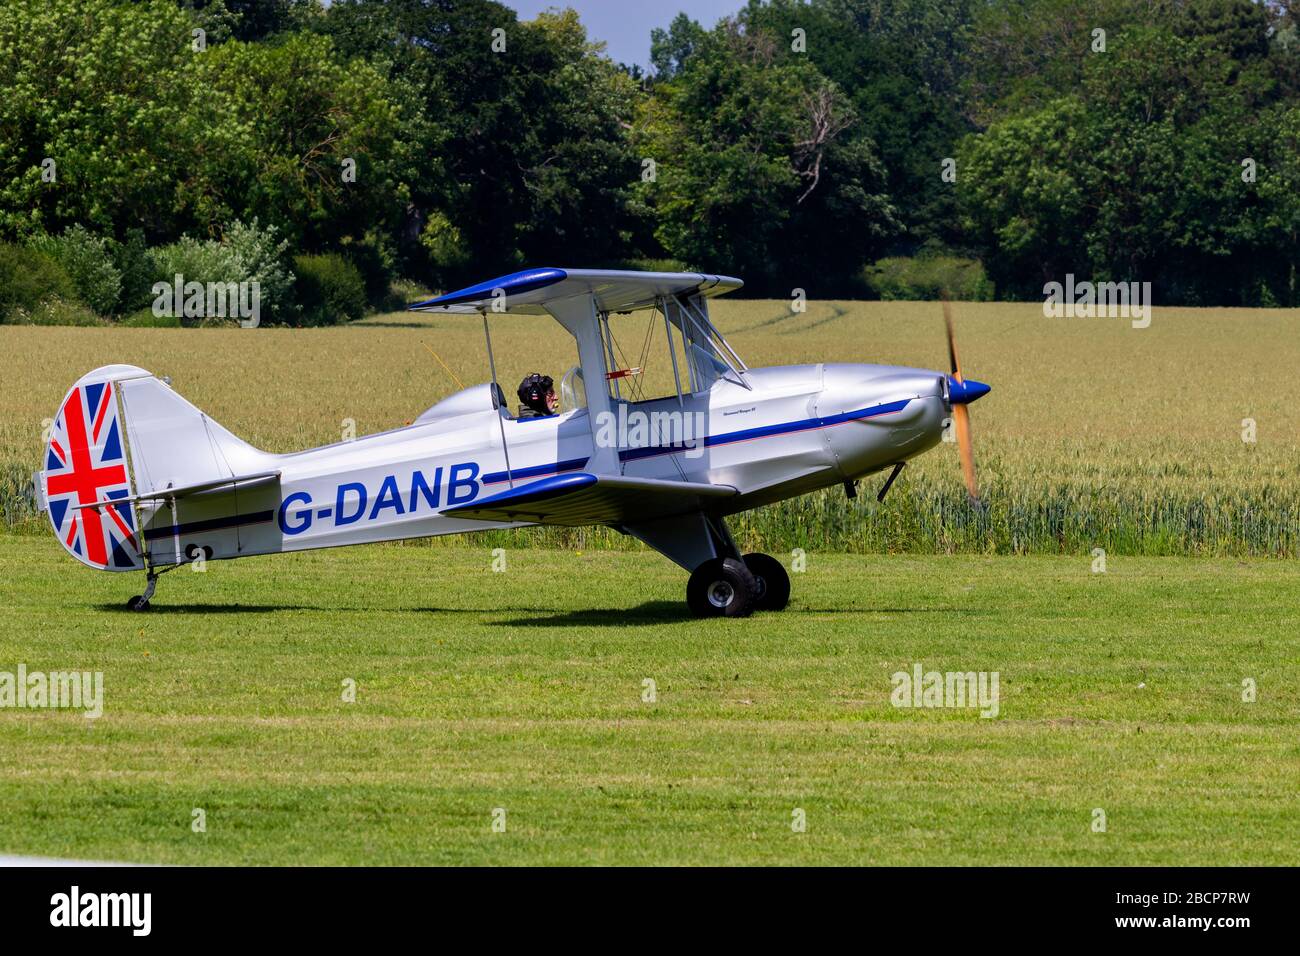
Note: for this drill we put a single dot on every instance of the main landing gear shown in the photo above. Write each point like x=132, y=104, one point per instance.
x=772, y=579
x=727, y=587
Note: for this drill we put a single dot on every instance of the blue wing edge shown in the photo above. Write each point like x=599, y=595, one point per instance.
x=586, y=499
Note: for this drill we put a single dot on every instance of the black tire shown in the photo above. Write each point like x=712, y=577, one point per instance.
x=137, y=603
x=721, y=587
x=773, y=582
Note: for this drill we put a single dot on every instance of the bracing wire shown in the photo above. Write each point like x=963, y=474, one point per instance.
x=459, y=384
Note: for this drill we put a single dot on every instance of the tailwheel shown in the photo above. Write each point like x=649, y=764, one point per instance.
x=772, y=580
x=141, y=601
x=722, y=587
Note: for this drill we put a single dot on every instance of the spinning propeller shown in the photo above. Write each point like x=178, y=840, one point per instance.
x=961, y=393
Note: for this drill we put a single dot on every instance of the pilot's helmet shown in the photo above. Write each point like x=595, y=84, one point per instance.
x=533, y=389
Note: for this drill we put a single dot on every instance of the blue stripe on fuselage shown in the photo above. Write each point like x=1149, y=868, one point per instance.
x=535, y=471
x=767, y=431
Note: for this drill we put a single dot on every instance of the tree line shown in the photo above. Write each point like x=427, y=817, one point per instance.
x=845, y=147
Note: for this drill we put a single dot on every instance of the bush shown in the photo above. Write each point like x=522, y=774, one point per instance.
x=88, y=260
x=650, y=265
x=402, y=293
x=376, y=262
x=263, y=261
x=928, y=278
x=445, y=246
x=203, y=260
x=139, y=269
x=245, y=254
x=329, y=289
x=27, y=277
x=56, y=310
x=196, y=260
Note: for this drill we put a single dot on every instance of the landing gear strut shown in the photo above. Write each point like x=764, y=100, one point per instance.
x=141, y=601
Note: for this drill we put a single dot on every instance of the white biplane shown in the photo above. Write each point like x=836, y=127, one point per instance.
x=136, y=478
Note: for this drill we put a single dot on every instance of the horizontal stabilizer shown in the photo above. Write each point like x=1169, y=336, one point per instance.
x=585, y=499
x=260, y=478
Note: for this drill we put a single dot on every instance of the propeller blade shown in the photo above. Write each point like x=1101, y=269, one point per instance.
x=960, y=409
x=954, y=366
x=961, y=424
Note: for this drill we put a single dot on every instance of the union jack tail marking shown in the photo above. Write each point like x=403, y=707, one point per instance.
x=85, y=462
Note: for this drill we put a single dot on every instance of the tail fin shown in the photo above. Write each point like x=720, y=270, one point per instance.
x=121, y=436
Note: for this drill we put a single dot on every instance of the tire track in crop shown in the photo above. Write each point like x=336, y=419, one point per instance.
x=780, y=317
x=837, y=312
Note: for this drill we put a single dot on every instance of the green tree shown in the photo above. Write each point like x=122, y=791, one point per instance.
x=1023, y=198
x=578, y=168
x=671, y=48
x=293, y=134
x=94, y=93
x=250, y=19
x=753, y=171
x=1167, y=165
x=899, y=63
x=525, y=133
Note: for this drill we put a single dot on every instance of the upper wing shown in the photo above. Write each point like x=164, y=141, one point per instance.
x=581, y=499
x=530, y=291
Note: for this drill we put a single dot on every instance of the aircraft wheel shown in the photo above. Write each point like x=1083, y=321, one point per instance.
x=138, y=603
x=773, y=582
x=721, y=587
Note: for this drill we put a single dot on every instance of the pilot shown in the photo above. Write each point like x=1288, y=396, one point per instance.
x=537, y=393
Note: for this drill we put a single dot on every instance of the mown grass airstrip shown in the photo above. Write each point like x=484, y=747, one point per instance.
x=525, y=692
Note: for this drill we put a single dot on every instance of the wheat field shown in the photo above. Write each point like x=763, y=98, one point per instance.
x=1178, y=438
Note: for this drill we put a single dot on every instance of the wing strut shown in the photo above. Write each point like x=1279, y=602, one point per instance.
x=496, y=390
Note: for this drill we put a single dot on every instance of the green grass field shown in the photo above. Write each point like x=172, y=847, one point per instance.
x=523, y=690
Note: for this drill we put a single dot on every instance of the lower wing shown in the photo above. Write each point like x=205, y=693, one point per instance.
x=583, y=499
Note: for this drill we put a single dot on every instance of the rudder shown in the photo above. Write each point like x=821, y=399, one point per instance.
x=85, y=462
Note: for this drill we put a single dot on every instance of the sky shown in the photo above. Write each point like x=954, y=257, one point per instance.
x=625, y=25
